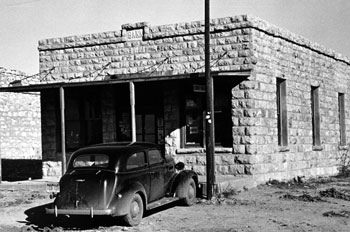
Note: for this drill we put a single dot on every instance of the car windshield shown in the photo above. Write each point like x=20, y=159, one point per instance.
x=91, y=160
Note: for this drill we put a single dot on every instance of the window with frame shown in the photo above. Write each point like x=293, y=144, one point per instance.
x=342, y=125
x=315, y=110
x=136, y=160
x=282, y=112
x=154, y=157
x=193, y=116
x=194, y=123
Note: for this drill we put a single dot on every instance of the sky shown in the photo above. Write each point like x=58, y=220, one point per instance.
x=24, y=22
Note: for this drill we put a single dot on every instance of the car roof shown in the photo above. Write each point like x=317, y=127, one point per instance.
x=116, y=150
x=129, y=147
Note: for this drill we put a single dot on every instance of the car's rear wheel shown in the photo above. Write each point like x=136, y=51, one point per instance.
x=134, y=216
x=189, y=197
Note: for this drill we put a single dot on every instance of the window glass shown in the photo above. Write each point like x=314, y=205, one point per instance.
x=315, y=104
x=194, y=127
x=194, y=107
x=154, y=157
x=136, y=160
x=282, y=112
x=222, y=115
x=91, y=160
x=342, y=126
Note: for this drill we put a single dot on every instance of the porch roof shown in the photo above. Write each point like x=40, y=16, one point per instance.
x=114, y=79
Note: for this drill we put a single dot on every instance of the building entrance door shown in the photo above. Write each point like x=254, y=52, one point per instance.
x=149, y=113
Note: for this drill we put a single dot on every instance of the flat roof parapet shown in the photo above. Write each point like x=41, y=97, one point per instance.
x=187, y=28
x=132, y=26
x=282, y=33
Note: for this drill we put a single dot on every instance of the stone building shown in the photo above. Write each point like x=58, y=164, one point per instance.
x=20, y=131
x=279, y=98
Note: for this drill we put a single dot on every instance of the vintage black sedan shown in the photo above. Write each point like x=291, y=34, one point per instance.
x=122, y=179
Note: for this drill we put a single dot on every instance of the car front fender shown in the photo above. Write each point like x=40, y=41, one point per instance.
x=181, y=179
x=120, y=205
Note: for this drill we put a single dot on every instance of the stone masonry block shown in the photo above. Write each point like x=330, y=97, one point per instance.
x=252, y=149
x=239, y=131
x=238, y=149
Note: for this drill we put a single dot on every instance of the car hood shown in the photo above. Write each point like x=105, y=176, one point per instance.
x=83, y=189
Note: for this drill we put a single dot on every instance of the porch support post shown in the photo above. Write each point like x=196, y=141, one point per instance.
x=63, y=131
x=0, y=167
x=210, y=136
x=132, y=108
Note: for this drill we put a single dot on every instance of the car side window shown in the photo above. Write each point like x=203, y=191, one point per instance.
x=154, y=157
x=137, y=160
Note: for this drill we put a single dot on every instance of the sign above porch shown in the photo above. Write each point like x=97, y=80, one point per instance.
x=134, y=31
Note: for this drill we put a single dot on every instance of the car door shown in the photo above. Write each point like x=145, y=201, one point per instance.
x=137, y=170
x=159, y=175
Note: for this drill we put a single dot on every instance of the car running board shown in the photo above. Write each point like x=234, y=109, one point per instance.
x=163, y=201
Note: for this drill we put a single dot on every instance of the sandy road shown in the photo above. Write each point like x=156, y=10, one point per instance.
x=322, y=205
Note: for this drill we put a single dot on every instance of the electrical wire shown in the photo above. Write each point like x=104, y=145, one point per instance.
x=213, y=62
x=18, y=3
x=155, y=67
x=47, y=72
x=93, y=72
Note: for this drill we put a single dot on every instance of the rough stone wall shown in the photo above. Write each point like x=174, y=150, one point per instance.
x=51, y=158
x=8, y=76
x=19, y=121
x=162, y=50
x=302, y=64
x=49, y=125
x=20, y=126
x=241, y=43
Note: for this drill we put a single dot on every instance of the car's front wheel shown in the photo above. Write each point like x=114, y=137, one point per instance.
x=188, y=192
x=135, y=213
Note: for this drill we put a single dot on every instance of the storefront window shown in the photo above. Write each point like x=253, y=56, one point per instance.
x=194, y=111
x=194, y=106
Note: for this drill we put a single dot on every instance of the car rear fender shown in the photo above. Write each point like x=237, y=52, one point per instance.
x=180, y=181
x=121, y=203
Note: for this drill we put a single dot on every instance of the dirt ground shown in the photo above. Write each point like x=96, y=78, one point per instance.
x=321, y=204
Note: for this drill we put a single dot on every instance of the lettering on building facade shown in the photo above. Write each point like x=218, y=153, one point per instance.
x=134, y=34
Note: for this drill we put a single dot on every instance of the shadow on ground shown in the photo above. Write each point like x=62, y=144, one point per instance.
x=38, y=220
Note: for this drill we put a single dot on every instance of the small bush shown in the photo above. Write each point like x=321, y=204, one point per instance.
x=344, y=159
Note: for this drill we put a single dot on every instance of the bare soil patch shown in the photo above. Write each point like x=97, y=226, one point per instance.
x=321, y=204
